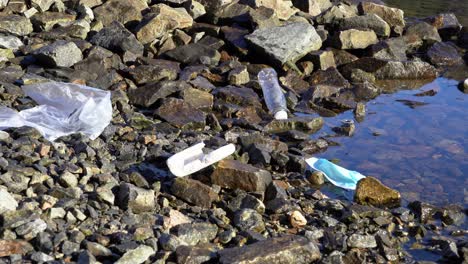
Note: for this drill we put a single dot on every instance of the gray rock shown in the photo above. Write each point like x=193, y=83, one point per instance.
x=323, y=59
x=41, y=257
x=242, y=96
x=195, y=255
x=213, y=5
x=366, y=91
x=10, y=42
x=31, y=229
x=246, y=201
x=150, y=93
x=310, y=124
x=16, y=25
x=361, y=241
x=182, y=115
x=137, y=199
x=337, y=12
x=153, y=73
x=312, y=7
x=390, y=49
x=48, y=20
x=444, y=54
x=393, y=16
x=197, y=98
x=194, y=192
x=137, y=255
x=286, y=249
x=16, y=182
x=446, y=23
x=354, y=39
x=59, y=54
x=42, y=5
x=7, y=202
x=236, y=175
x=123, y=11
x=195, y=54
x=286, y=43
x=367, y=22
x=196, y=233
x=117, y=38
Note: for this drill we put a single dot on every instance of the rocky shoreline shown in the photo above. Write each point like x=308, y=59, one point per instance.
x=182, y=72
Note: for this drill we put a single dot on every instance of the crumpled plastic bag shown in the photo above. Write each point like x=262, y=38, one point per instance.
x=64, y=109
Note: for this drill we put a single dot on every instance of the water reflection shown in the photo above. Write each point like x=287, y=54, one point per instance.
x=421, y=151
x=425, y=8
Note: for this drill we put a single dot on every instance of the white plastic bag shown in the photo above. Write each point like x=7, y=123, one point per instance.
x=64, y=109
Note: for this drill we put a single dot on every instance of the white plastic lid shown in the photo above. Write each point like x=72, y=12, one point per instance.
x=281, y=114
x=466, y=84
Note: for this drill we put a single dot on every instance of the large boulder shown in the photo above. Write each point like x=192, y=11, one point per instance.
x=428, y=34
x=286, y=43
x=370, y=191
x=444, y=54
x=366, y=22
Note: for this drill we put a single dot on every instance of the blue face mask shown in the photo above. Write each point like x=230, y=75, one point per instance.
x=337, y=175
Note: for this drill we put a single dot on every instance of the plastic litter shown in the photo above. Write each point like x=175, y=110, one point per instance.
x=465, y=84
x=193, y=159
x=274, y=97
x=337, y=175
x=64, y=109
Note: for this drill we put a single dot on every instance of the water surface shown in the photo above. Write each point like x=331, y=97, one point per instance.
x=415, y=144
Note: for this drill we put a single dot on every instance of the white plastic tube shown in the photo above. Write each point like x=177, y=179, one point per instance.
x=193, y=159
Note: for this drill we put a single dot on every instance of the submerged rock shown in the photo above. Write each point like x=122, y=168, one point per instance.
x=286, y=43
x=370, y=191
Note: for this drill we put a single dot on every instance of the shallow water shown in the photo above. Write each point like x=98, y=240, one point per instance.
x=420, y=151
x=424, y=8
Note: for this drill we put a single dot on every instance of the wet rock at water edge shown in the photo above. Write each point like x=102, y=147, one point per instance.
x=286, y=249
x=370, y=191
x=286, y=43
x=444, y=54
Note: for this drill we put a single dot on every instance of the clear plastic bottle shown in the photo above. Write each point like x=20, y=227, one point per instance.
x=274, y=97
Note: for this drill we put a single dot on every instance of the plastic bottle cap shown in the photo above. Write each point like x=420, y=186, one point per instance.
x=281, y=114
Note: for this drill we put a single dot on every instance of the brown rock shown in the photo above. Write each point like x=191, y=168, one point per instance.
x=236, y=175
x=14, y=247
x=197, y=98
x=370, y=191
x=296, y=219
x=194, y=192
x=181, y=114
x=310, y=124
x=393, y=16
x=123, y=11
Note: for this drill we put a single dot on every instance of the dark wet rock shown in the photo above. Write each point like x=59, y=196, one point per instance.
x=59, y=54
x=446, y=23
x=392, y=70
x=180, y=114
x=367, y=22
x=137, y=255
x=194, y=54
x=312, y=7
x=310, y=124
x=213, y=5
x=150, y=93
x=16, y=25
x=194, y=192
x=347, y=128
x=152, y=73
x=444, y=54
x=337, y=12
x=316, y=178
x=242, y=96
x=423, y=211
x=236, y=175
x=393, y=16
x=295, y=82
x=463, y=38
x=343, y=57
x=160, y=21
x=453, y=215
x=249, y=220
x=117, y=38
x=291, y=42
x=323, y=59
x=366, y=91
x=120, y=10
x=370, y=191
x=425, y=32
x=135, y=198
x=354, y=39
x=330, y=77
x=284, y=249
x=390, y=49
x=448, y=247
